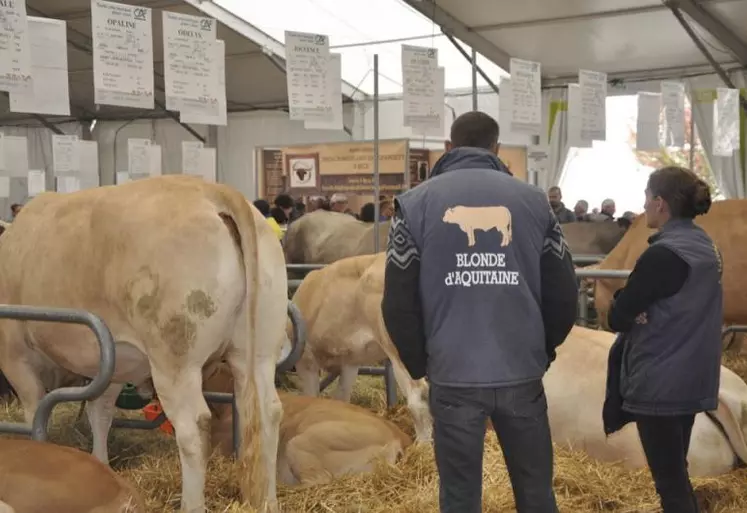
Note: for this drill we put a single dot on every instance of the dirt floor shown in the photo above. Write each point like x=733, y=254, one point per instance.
x=150, y=460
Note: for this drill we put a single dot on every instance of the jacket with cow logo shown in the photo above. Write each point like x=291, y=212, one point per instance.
x=479, y=283
x=672, y=359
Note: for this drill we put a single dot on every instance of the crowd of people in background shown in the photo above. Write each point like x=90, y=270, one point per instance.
x=580, y=212
x=284, y=209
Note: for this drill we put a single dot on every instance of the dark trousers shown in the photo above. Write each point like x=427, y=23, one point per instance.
x=666, y=441
x=519, y=417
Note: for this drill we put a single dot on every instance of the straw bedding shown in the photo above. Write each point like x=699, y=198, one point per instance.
x=150, y=460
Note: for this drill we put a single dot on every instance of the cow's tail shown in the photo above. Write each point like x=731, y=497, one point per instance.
x=253, y=476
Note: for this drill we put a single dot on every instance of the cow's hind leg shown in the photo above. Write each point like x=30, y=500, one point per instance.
x=180, y=394
x=307, y=371
x=100, y=413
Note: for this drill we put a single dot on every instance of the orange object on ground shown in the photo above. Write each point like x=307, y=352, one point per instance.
x=152, y=411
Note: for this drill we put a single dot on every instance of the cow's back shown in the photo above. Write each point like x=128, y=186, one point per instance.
x=724, y=225
x=589, y=238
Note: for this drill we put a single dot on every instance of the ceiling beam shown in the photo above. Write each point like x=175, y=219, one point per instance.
x=713, y=24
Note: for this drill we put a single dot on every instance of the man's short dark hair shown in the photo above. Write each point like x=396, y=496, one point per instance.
x=263, y=206
x=475, y=129
x=284, y=201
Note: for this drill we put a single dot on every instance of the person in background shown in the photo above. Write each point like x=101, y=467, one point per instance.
x=607, y=212
x=287, y=205
x=315, y=203
x=300, y=208
x=264, y=208
x=368, y=213
x=338, y=203
x=15, y=209
x=562, y=214
x=480, y=312
x=581, y=210
x=664, y=367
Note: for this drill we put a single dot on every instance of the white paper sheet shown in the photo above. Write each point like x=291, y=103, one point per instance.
x=89, y=164
x=16, y=153
x=187, y=59
x=421, y=101
x=37, y=182
x=65, y=154
x=575, y=113
x=138, y=156
x=435, y=125
x=526, y=97
x=213, y=109
x=593, y=86
x=4, y=187
x=306, y=64
x=122, y=54
x=122, y=177
x=208, y=164
x=68, y=183
x=191, y=154
x=538, y=159
x=648, y=122
x=15, y=48
x=155, y=160
x=334, y=89
x=49, y=93
x=726, y=122
x=673, y=103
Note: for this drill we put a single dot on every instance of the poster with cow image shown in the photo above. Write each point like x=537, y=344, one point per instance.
x=302, y=171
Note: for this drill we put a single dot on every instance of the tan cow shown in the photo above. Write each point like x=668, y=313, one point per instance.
x=323, y=237
x=341, y=305
x=471, y=219
x=575, y=389
x=183, y=272
x=37, y=477
x=723, y=223
x=320, y=439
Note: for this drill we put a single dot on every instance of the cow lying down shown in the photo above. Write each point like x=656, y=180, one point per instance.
x=37, y=477
x=320, y=439
x=341, y=306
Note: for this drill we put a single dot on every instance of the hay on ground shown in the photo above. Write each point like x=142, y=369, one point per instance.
x=150, y=461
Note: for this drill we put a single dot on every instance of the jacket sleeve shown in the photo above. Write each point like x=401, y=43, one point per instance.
x=658, y=274
x=401, y=305
x=559, y=288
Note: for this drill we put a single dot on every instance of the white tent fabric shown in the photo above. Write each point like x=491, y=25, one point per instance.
x=554, y=135
x=728, y=171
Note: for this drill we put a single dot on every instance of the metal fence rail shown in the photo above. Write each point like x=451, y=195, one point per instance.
x=94, y=389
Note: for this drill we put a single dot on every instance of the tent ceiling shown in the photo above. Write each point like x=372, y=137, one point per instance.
x=634, y=39
x=252, y=80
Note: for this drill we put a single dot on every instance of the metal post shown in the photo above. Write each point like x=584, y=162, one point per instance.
x=376, y=184
x=91, y=391
x=474, y=79
x=484, y=75
x=582, y=317
x=692, y=136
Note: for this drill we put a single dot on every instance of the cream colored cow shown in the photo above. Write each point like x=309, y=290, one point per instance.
x=471, y=219
x=183, y=272
x=320, y=439
x=575, y=387
x=341, y=305
x=37, y=477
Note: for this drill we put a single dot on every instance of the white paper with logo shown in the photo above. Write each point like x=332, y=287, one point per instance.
x=65, y=154
x=307, y=64
x=526, y=97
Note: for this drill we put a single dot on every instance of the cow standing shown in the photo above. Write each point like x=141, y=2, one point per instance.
x=183, y=272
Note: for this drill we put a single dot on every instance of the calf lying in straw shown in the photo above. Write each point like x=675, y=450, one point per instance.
x=320, y=439
x=37, y=477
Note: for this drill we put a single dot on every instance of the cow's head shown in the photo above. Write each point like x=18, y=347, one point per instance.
x=448, y=215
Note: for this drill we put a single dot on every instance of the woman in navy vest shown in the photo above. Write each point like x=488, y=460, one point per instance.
x=669, y=315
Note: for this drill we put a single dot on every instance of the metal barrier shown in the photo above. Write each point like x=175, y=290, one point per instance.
x=299, y=342
x=582, y=318
x=94, y=389
x=734, y=328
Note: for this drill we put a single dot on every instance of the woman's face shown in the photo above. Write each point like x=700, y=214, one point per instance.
x=653, y=209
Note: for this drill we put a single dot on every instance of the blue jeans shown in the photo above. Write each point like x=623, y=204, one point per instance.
x=519, y=417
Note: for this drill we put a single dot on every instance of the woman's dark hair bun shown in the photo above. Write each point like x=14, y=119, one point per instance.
x=701, y=198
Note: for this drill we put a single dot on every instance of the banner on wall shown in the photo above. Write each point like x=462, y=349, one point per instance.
x=348, y=167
